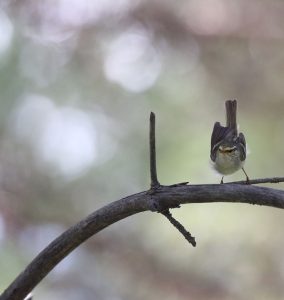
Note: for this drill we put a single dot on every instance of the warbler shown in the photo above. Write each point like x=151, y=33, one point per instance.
x=228, y=148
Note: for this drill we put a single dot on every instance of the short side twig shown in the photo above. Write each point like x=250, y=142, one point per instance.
x=259, y=181
x=153, y=169
x=187, y=235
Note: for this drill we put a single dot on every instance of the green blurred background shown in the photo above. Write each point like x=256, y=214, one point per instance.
x=78, y=79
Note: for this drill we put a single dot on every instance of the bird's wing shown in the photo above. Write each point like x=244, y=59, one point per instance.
x=218, y=134
x=242, y=143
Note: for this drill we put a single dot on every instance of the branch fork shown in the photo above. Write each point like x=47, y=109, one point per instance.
x=158, y=207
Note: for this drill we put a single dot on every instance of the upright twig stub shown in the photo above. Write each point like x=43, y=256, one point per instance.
x=153, y=169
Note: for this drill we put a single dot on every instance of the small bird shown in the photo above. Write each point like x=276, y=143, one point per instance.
x=228, y=148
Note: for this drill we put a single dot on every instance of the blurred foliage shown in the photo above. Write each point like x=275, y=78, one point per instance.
x=78, y=81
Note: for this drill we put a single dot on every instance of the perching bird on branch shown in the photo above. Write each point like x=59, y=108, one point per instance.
x=228, y=148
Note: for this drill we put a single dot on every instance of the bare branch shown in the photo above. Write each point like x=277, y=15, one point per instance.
x=158, y=198
x=166, y=196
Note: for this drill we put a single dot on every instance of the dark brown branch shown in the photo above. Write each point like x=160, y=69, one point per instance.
x=153, y=169
x=167, y=197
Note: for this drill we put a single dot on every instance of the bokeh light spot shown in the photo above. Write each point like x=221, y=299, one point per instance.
x=6, y=32
x=64, y=138
x=132, y=61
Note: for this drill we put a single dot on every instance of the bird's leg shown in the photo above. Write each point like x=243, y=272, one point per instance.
x=222, y=180
x=247, y=178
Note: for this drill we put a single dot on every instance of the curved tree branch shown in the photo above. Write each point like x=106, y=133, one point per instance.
x=159, y=199
x=166, y=196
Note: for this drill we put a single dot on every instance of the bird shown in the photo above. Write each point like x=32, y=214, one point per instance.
x=228, y=147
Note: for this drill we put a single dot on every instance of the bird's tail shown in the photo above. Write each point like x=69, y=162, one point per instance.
x=231, y=114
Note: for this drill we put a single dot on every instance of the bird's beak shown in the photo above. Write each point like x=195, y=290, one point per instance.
x=226, y=149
